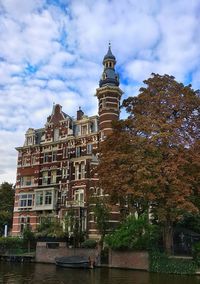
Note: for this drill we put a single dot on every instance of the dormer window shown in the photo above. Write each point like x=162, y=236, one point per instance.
x=84, y=130
x=29, y=140
x=56, y=134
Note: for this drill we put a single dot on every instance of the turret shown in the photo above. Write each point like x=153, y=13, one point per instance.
x=109, y=95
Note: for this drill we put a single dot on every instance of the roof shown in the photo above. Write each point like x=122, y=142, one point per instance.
x=109, y=54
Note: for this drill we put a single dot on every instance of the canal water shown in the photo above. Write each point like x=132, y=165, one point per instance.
x=30, y=273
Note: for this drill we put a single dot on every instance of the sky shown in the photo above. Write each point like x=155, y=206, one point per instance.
x=51, y=51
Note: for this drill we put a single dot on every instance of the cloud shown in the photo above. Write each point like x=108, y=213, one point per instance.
x=52, y=51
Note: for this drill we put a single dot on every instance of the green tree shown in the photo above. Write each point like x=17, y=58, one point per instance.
x=101, y=213
x=73, y=227
x=6, y=205
x=133, y=233
x=50, y=227
x=153, y=156
x=28, y=237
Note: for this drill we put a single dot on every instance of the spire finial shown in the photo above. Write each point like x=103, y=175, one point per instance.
x=109, y=44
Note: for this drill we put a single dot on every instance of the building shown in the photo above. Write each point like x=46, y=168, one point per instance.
x=56, y=168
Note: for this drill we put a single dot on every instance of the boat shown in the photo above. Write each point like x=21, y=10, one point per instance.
x=74, y=262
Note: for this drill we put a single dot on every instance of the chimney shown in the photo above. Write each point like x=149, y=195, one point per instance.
x=80, y=114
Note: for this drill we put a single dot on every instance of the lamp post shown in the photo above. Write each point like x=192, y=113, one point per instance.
x=6, y=231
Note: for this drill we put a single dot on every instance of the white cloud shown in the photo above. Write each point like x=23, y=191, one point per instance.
x=53, y=53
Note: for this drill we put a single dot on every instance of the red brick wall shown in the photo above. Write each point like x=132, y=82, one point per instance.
x=129, y=259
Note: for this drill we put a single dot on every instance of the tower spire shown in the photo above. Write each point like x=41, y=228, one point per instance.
x=109, y=76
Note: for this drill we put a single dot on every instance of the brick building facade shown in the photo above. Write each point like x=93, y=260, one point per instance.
x=56, y=168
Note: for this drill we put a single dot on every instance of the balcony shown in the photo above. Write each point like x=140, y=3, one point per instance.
x=75, y=203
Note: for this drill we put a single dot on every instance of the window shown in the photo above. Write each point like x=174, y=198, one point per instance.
x=89, y=148
x=102, y=135
x=79, y=197
x=52, y=245
x=29, y=140
x=33, y=159
x=77, y=130
x=27, y=181
x=84, y=130
x=25, y=161
x=56, y=134
x=54, y=156
x=82, y=170
x=46, y=157
x=53, y=176
x=65, y=152
x=64, y=172
x=76, y=171
x=99, y=191
x=48, y=197
x=22, y=181
x=39, y=198
x=24, y=222
x=103, y=103
x=25, y=200
x=78, y=151
x=45, y=178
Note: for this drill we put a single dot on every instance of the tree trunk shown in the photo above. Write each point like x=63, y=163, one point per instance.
x=29, y=246
x=168, y=237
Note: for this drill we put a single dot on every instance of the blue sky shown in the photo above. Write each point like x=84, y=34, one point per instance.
x=52, y=51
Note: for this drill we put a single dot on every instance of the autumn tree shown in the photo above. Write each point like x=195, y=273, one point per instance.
x=151, y=157
x=6, y=205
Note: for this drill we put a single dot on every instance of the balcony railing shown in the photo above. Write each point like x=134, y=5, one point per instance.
x=75, y=203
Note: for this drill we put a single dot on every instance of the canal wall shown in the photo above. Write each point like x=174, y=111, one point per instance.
x=129, y=259
x=47, y=252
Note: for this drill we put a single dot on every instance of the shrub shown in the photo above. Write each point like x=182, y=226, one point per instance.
x=11, y=243
x=89, y=244
x=160, y=262
x=196, y=253
x=133, y=234
x=50, y=228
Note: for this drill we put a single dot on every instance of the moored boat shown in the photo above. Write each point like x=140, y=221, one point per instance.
x=74, y=262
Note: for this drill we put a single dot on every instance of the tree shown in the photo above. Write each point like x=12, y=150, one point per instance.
x=152, y=155
x=50, y=227
x=133, y=233
x=73, y=227
x=6, y=205
x=101, y=213
x=28, y=237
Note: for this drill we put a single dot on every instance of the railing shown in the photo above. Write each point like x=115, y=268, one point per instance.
x=75, y=203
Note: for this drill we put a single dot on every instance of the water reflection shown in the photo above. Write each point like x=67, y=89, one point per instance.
x=16, y=273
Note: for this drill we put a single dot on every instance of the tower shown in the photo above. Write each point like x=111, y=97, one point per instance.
x=109, y=95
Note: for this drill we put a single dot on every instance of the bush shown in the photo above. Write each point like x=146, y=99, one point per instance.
x=196, y=253
x=159, y=262
x=11, y=243
x=50, y=228
x=133, y=234
x=89, y=244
